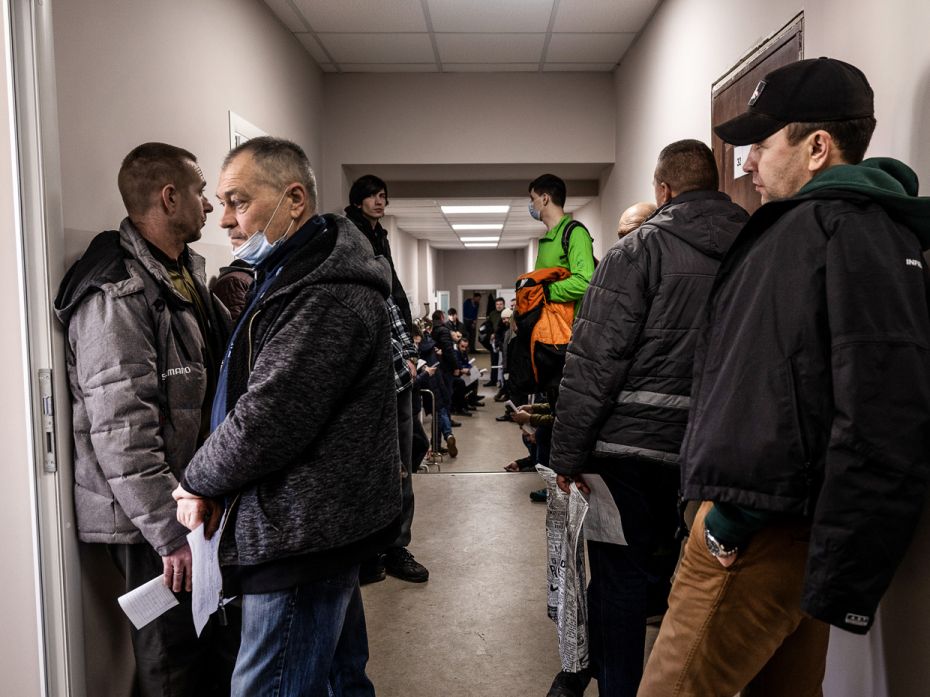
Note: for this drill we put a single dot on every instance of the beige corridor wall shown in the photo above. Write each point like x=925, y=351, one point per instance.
x=448, y=118
x=135, y=70
x=479, y=267
x=667, y=75
x=19, y=643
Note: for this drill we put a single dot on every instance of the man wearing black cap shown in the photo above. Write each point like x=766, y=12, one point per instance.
x=809, y=433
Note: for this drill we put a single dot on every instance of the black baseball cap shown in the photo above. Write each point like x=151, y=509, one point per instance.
x=817, y=89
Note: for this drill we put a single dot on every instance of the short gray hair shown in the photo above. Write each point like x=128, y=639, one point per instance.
x=281, y=161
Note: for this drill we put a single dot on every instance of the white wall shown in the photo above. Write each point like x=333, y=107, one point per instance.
x=404, y=253
x=135, y=71
x=447, y=118
x=19, y=642
x=477, y=267
x=666, y=77
x=590, y=214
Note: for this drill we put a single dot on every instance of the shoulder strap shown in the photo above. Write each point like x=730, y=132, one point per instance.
x=567, y=234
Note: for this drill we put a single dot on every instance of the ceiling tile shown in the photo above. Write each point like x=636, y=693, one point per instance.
x=379, y=48
x=490, y=67
x=603, y=15
x=313, y=48
x=588, y=48
x=490, y=48
x=327, y=67
x=578, y=67
x=363, y=15
x=389, y=67
x=284, y=12
x=490, y=15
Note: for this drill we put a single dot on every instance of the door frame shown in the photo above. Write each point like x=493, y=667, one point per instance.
x=40, y=236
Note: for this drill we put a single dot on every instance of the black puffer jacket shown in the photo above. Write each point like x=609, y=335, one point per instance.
x=627, y=381
x=812, y=379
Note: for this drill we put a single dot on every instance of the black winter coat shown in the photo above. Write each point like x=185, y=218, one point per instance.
x=812, y=390
x=627, y=380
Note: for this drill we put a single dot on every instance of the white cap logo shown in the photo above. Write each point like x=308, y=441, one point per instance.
x=755, y=95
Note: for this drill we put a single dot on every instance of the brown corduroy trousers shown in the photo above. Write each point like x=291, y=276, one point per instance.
x=739, y=629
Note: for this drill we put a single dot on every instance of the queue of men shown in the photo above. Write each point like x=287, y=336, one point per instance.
x=774, y=368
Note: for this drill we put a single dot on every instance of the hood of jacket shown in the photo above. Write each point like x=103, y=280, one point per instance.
x=332, y=250
x=889, y=182
x=104, y=263
x=702, y=219
x=376, y=235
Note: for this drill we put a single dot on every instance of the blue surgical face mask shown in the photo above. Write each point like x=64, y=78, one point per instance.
x=535, y=214
x=257, y=248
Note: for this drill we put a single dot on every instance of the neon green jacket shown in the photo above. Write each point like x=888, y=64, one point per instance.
x=580, y=261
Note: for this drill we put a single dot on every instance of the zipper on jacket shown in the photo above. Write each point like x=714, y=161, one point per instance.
x=220, y=605
x=802, y=434
x=249, y=337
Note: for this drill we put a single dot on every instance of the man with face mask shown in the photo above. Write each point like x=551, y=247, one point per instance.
x=547, y=201
x=303, y=509
x=144, y=341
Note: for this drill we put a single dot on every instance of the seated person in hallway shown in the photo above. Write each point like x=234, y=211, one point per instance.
x=633, y=217
x=453, y=322
x=303, y=509
x=144, y=342
x=421, y=442
x=538, y=416
x=368, y=199
x=440, y=403
x=624, y=399
x=502, y=336
x=809, y=435
x=465, y=398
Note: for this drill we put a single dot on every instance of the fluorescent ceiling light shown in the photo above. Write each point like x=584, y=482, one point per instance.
x=480, y=244
x=480, y=239
x=452, y=210
x=478, y=226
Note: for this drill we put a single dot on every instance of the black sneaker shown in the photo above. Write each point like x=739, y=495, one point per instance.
x=400, y=563
x=569, y=684
x=539, y=496
x=450, y=443
x=371, y=571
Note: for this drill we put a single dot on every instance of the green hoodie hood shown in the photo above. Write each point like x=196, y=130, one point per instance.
x=890, y=183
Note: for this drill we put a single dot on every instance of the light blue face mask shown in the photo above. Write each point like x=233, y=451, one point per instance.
x=535, y=214
x=257, y=248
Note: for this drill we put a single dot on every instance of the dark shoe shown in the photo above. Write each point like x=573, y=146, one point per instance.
x=504, y=417
x=501, y=396
x=450, y=443
x=455, y=424
x=540, y=496
x=474, y=403
x=490, y=383
x=371, y=571
x=400, y=563
x=569, y=684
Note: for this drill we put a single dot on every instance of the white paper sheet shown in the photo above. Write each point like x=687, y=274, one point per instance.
x=602, y=523
x=206, y=579
x=147, y=602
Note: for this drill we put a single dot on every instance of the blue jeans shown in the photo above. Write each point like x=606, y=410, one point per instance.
x=307, y=641
x=445, y=421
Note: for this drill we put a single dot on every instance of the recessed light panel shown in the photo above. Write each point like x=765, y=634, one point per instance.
x=480, y=244
x=466, y=240
x=478, y=226
x=455, y=210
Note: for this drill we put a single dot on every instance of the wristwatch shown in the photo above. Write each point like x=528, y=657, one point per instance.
x=716, y=549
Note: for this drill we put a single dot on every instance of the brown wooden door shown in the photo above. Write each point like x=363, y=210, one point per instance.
x=730, y=96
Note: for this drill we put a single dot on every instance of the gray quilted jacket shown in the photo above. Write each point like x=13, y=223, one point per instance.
x=137, y=373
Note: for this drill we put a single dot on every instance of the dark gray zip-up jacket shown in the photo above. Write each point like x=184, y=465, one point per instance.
x=310, y=446
x=626, y=387
x=138, y=377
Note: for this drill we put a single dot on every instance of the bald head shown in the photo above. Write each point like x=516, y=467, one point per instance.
x=633, y=217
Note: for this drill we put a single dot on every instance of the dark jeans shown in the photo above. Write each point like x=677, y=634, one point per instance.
x=630, y=583
x=421, y=443
x=170, y=659
x=471, y=331
x=405, y=439
x=307, y=641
